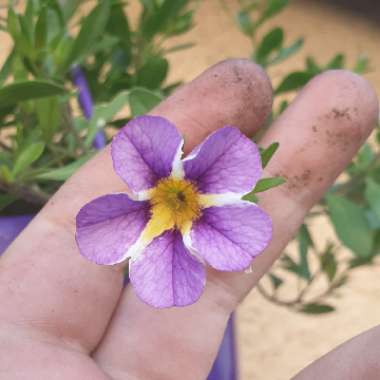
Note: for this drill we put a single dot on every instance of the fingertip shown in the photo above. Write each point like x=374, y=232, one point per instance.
x=248, y=83
x=350, y=100
x=233, y=92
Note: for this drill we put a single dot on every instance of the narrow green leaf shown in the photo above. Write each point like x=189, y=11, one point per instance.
x=290, y=265
x=142, y=100
x=27, y=90
x=7, y=67
x=5, y=174
x=181, y=25
x=69, y=7
x=91, y=30
x=272, y=8
x=6, y=200
x=268, y=153
x=293, y=81
x=41, y=29
x=312, y=66
x=272, y=41
x=336, y=62
x=159, y=19
x=153, y=72
x=48, y=114
x=103, y=114
x=329, y=264
x=361, y=65
x=351, y=225
x=20, y=38
x=304, y=243
x=268, y=183
x=62, y=174
x=251, y=197
x=286, y=52
x=245, y=23
x=26, y=158
x=372, y=194
x=317, y=308
x=275, y=280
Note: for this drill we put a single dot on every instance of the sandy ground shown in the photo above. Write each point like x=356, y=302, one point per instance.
x=273, y=342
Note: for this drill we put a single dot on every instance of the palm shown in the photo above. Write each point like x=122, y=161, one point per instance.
x=62, y=317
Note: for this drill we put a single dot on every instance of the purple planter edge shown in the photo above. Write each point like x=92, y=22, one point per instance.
x=224, y=367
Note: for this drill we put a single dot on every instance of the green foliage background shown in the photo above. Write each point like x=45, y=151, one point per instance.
x=44, y=141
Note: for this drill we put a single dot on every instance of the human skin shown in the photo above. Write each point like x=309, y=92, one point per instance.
x=63, y=317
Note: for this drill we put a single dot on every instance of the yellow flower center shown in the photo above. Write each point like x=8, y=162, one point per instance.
x=175, y=200
x=175, y=203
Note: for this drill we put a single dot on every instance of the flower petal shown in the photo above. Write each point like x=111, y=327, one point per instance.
x=229, y=237
x=166, y=274
x=144, y=151
x=227, y=161
x=108, y=226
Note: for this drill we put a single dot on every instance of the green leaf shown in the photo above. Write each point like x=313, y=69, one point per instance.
x=312, y=66
x=272, y=8
x=118, y=25
x=7, y=67
x=293, y=81
x=361, y=65
x=251, y=197
x=62, y=174
x=316, y=308
x=272, y=41
x=290, y=265
x=69, y=7
x=360, y=261
x=286, y=52
x=41, y=29
x=304, y=243
x=20, y=37
x=329, y=264
x=336, y=63
x=5, y=174
x=91, y=30
x=181, y=25
x=153, y=72
x=6, y=200
x=275, y=280
x=103, y=114
x=351, y=225
x=268, y=183
x=157, y=20
x=26, y=158
x=48, y=115
x=245, y=23
x=268, y=153
x=142, y=100
x=27, y=90
x=372, y=194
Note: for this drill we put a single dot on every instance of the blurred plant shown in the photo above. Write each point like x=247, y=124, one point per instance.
x=44, y=139
x=352, y=205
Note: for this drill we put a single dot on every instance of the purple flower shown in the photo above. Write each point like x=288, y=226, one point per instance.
x=178, y=214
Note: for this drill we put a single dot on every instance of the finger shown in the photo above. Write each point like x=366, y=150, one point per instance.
x=45, y=285
x=318, y=135
x=356, y=359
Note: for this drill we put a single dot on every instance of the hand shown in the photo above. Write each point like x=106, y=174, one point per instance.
x=62, y=317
